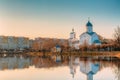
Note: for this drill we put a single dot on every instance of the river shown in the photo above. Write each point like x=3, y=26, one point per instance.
x=58, y=67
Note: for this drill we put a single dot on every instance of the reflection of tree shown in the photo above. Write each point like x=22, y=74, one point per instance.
x=84, y=47
x=38, y=62
x=47, y=62
x=71, y=61
x=114, y=64
x=117, y=70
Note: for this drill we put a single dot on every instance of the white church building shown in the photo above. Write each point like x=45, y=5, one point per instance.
x=89, y=37
x=73, y=41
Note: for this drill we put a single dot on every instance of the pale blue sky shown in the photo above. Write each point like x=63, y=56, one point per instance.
x=56, y=18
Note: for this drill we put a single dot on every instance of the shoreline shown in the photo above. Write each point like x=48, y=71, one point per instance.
x=81, y=54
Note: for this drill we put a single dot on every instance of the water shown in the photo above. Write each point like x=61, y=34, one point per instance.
x=58, y=67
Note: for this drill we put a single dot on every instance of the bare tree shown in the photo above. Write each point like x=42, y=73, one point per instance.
x=117, y=37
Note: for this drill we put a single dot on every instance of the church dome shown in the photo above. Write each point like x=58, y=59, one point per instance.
x=89, y=23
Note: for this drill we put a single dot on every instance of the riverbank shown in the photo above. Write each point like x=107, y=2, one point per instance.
x=81, y=54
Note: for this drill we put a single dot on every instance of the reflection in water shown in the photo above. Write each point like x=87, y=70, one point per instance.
x=72, y=66
x=14, y=62
x=90, y=66
x=87, y=66
x=117, y=69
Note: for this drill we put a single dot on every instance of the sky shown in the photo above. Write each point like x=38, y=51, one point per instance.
x=56, y=18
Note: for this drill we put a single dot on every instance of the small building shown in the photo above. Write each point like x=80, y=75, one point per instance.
x=57, y=48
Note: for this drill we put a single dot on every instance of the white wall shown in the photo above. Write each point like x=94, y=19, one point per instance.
x=85, y=38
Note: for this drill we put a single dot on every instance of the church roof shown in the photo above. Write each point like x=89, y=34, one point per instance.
x=90, y=33
x=96, y=41
x=72, y=32
x=89, y=23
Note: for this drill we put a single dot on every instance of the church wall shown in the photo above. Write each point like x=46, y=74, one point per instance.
x=95, y=37
x=72, y=35
x=85, y=39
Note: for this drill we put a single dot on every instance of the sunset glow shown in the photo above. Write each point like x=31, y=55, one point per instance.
x=56, y=18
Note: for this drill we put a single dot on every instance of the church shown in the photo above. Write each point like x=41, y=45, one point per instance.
x=73, y=41
x=87, y=38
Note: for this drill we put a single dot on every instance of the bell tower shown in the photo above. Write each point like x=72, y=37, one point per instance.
x=89, y=27
x=72, y=34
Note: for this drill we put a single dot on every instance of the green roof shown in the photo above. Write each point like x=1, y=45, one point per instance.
x=72, y=32
x=96, y=41
x=90, y=33
x=89, y=24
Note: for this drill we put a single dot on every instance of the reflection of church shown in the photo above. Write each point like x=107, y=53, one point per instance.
x=89, y=37
x=72, y=66
x=89, y=68
x=73, y=63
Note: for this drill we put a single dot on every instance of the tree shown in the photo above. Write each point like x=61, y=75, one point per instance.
x=117, y=37
x=85, y=46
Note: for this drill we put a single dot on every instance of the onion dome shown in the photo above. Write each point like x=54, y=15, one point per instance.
x=89, y=23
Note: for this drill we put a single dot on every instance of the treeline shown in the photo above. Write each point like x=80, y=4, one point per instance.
x=106, y=44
